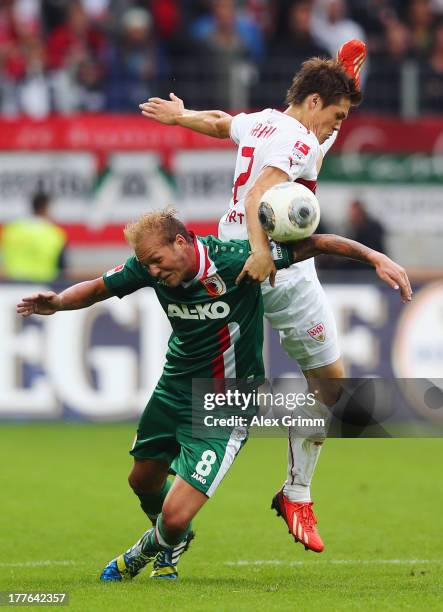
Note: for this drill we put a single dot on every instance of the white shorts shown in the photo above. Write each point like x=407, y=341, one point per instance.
x=298, y=309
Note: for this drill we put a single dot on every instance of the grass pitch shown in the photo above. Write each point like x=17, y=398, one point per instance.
x=66, y=510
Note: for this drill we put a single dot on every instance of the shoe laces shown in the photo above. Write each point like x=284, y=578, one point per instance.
x=136, y=559
x=308, y=516
x=165, y=557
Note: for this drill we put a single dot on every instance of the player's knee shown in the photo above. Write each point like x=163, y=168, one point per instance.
x=175, y=520
x=176, y=517
x=142, y=482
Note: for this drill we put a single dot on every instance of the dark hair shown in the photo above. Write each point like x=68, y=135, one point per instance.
x=40, y=202
x=326, y=77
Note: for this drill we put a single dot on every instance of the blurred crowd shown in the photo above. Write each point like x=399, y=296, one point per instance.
x=66, y=56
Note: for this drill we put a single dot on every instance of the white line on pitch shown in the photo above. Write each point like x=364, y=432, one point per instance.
x=243, y=563
x=37, y=563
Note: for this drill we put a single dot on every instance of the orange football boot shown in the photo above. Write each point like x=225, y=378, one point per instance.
x=300, y=519
x=352, y=55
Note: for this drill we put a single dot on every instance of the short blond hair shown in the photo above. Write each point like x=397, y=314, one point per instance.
x=160, y=223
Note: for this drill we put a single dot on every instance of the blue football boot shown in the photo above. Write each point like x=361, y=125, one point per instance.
x=166, y=561
x=130, y=563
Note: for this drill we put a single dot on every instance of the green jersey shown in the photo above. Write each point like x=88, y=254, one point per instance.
x=217, y=326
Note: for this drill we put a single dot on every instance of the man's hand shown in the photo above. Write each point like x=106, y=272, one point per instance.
x=163, y=111
x=392, y=274
x=258, y=267
x=45, y=303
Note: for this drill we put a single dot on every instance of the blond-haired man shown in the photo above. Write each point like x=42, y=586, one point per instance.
x=217, y=333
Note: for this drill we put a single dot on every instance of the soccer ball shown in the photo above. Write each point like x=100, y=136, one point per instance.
x=289, y=211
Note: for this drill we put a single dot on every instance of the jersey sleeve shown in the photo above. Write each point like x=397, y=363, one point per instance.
x=236, y=252
x=293, y=157
x=127, y=278
x=281, y=254
x=231, y=256
x=328, y=142
x=239, y=126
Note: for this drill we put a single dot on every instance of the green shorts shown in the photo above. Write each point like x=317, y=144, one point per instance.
x=165, y=433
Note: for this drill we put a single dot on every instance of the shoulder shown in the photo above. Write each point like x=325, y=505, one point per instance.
x=225, y=255
x=306, y=145
x=293, y=133
x=241, y=122
x=127, y=278
x=219, y=248
x=131, y=269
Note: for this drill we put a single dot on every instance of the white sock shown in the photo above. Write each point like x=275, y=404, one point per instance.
x=303, y=454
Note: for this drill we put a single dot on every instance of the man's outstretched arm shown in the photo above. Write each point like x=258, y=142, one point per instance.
x=214, y=123
x=78, y=296
x=330, y=244
x=260, y=264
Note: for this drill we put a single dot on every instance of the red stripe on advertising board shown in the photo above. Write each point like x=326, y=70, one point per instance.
x=82, y=235
x=110, y=133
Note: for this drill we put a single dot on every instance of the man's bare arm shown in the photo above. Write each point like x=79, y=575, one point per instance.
x=78, y=296
x=214, y=123
x=260, y=264
x=330, y=244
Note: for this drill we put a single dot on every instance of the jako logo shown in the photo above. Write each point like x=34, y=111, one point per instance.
x=214, y=310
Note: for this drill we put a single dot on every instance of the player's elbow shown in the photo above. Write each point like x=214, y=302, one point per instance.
x=222, y=126
x=252, y=197
x=305, y=249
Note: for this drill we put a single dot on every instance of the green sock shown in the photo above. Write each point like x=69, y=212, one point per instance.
x=148, y=543
x=168, y=540
x=151, y=503
x=157, y=539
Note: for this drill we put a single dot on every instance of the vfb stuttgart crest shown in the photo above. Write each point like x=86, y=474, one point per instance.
x=317, y=332
x=214, y=285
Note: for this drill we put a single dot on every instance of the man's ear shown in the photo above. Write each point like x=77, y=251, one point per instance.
x=180, y=240
x=315, y=101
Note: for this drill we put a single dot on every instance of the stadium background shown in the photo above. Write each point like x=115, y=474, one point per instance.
x=72, y=74
x=103, y=165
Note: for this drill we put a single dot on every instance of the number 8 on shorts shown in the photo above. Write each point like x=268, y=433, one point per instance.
x=204, y=466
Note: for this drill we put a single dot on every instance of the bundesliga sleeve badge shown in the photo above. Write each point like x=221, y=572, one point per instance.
x=114, y=270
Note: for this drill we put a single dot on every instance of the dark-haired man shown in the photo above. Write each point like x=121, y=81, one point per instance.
x=217, y=333
x=274, y=147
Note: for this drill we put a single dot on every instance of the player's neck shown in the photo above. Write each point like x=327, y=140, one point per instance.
x=193, y=267
x=299, y=113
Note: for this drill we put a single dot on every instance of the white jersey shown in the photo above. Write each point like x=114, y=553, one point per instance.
x=267, y=138
x=297, y=305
